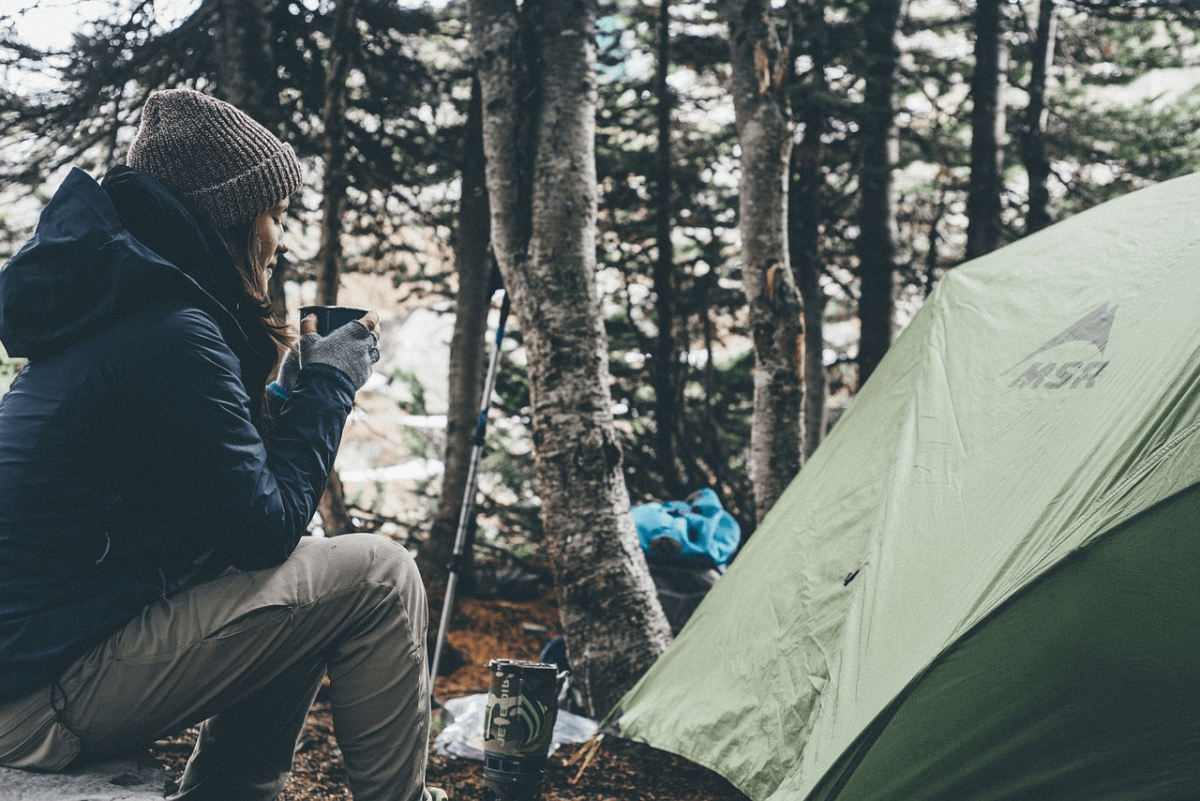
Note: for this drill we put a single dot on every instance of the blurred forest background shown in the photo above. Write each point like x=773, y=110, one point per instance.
x=910, y=136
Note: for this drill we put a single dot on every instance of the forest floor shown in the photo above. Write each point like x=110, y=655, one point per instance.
x=608, y=769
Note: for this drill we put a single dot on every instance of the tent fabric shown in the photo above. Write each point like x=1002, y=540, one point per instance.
x=910, y=620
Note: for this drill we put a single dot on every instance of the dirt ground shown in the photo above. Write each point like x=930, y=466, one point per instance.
x=609, y=769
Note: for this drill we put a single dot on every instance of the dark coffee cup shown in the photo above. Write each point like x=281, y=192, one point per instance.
x=331, y=318
x=518, y=725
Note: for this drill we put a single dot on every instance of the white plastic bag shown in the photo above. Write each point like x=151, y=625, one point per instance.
x=463, y=736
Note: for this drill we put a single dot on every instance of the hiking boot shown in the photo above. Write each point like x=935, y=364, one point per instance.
x=435, y=794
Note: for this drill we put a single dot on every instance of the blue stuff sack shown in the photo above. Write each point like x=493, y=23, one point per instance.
x=697, y=530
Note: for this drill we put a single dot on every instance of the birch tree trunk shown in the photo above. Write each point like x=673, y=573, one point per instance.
x=805, y=212
x=467, y=355
x=537, y=71
x=335, y=517
x=759, y=65
x=1037, y=163
x=876, y=243
x=987, y=131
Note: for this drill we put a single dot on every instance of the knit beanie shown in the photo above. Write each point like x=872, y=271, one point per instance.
x=231, y=167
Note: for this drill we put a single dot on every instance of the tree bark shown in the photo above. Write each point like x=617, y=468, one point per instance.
x=759, y=65
x=537, y=65
x=665, y=372
x=467, y=356
x=987, y=131
x=335, y=518
x=1037, y=163
x=336, y=176
x=247, y=78
x=805, y=212
x=876, y=245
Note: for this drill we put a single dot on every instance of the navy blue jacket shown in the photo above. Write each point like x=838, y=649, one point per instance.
x=131, y=465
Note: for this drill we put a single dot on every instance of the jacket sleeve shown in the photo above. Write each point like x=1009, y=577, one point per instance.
x=219, y=479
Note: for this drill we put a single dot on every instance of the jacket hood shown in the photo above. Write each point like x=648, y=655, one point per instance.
x=100, y=250
x=173, y=228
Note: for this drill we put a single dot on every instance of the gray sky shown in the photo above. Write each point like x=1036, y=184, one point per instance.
x=51, y=22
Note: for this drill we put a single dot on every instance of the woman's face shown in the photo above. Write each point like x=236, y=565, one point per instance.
x=268, y=237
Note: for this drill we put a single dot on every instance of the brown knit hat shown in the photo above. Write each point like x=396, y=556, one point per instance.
x=213, y=154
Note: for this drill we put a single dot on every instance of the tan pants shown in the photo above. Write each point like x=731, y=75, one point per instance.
x=245, y=653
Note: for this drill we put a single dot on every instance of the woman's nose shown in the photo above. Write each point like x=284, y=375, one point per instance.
x=281, y=248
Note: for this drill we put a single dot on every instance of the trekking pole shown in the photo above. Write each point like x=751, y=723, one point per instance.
x=468, y=502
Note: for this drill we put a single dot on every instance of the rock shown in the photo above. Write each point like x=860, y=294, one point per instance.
x=124, y=779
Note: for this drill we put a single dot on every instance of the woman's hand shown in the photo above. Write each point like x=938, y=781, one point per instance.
x=371, y=321
x=352, y=349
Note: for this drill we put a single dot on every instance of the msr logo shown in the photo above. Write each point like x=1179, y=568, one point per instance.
x=1071, y=372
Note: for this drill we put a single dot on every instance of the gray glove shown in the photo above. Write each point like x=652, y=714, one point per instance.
x=351, y=349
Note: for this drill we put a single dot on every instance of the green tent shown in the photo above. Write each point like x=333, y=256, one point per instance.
x=986, y=582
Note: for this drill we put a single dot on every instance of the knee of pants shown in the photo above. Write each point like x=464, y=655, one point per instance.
x=382, y=561
x=384, y=571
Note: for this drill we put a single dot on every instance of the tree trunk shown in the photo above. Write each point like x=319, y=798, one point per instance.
x=334, y=516
x=805, y=212
x=759, y=65
x=537, y=71
x=987, y=131
x=246, y=63
x=665, y=372
x=336, y=180
x=247, y=78
x=1037, y=163
x=876, y=243
x=467, y=355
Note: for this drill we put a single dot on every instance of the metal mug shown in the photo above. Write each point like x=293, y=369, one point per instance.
x=331, y=318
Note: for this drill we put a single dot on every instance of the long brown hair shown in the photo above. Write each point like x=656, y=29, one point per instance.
x=257, y=308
